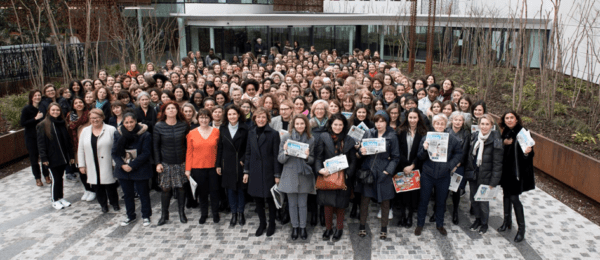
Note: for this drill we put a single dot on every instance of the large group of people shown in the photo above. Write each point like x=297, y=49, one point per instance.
x=215, y=131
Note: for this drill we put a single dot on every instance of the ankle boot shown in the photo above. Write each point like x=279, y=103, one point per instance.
x=353, y=211
x=402, y=220
x=303, y=234
x=521, y=223
x=285, y=215
x=234, y=219
x=294, y=233
x=455, y=203
x=181, y=204
x=322, y=215
x=507, y=224
x=242, y=218
x=455, y=216
x=271, y=229
x=313, y=218
x=409, y=219
x=165, y=201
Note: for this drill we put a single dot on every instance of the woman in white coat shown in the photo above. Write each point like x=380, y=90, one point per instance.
x=95, y=159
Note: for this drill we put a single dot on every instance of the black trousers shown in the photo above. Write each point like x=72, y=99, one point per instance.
x=34, y=158
x=208, y=184
x=83, y=178
x=107, y=191
x=260, y=210
x=57, y=181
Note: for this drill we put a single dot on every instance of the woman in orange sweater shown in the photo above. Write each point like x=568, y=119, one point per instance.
x=201, y=157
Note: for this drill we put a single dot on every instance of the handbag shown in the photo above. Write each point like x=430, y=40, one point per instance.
x=334, y=181
x=366, y=175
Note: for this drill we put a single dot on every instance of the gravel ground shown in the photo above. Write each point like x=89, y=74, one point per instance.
x=585, y=206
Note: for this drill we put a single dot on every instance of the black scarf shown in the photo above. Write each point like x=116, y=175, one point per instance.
x=511, y=133
x=127, y=138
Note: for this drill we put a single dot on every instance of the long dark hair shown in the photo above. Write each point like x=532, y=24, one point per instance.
x=47, y=121
x=340, y=117
x=405, y=126
x=241, y=117
x=32, y=93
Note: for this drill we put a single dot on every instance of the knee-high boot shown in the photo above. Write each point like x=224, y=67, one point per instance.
x=165, y=201
x=520, y=221
x=507, y=224
x=181, y=203
x=455, y=203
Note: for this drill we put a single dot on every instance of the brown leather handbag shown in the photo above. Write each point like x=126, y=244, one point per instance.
x=334, y=181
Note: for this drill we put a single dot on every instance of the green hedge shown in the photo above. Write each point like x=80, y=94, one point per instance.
x=11, y=107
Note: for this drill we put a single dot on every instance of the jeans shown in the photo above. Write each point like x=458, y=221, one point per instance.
x=130, y=187
x=298, y=209
x=481, y=209
x=237, y=200
x=441, y=192
x=57, y=174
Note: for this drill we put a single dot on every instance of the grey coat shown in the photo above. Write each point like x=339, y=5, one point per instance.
x=382, y=187
x=277, y=123
x=297, y=175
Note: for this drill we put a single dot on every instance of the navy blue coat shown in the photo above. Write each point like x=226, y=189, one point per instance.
x=382, y=187
x=261, y=163
x=141, y=168
x=439, y=170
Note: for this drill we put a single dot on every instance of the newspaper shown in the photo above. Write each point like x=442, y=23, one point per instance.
x=524, y=139
x=485, y=193
x=278, y=196
x=347, y=114
x=455, y=181
x=363, y=126
x=336, y=164
x=374, y=145
x=475, y=128
x=283, y=133
x=438, y=146
x=407, y=182
x=194, y=186
x=296, y=149
x=130, y=154
x=356, y=133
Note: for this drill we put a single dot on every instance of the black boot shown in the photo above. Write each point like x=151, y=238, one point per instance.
x=337, y=235
x=327, y=234
x=476, y=225
x=507, y=224
x=190, y=200
x=521, y=222
x=313, y=218
x=322, y=215
x=285, y=215
x=271, y=228
x=353, y=211
x=181, y=204
x=242, y=218
x=234, y=219
x=409, y=219
x=261, y=229
x=303, y=234
x=455, y=202
x=294, y=233
x=402, y=220
x=165, y=201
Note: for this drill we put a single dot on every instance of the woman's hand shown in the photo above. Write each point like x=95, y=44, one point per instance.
x=159, y=168
x=241, y=163
x=324, y=172
x=408, y=169
x=46, y=163
x=363, y=150
x=126, y=168
x=39, y=116
x=508, y=141
x=82, y=170
x=425, y=145
x=285, y=146
x=219, y=170
x=527, y=150
x=307, y=152
x=187, y=173
x=245, y=179
x=386, y=173
x=276, y=180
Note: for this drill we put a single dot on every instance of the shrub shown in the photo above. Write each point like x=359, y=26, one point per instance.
x=560, y=109
x=11, y=107
x=581, y=138
x=582, y=110
x=470, y=90
x=526, y=120
x=559, y=121
x=579, y=125
x=540, y=113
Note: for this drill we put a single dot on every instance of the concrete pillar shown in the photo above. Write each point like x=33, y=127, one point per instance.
x=194, y=36
x=212, y=37
x=182, y=39
x=381, y=41
x=350, y=41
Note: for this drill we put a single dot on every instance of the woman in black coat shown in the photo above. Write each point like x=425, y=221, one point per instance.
x=332, y=143
x=484, y=167
x=148, y=116
x=30, y=117
x=517, y=172
x=230, y=161
x=457, y=129
x=55, y=148
x=361, y=115
x=410, y=133
x=261, y=167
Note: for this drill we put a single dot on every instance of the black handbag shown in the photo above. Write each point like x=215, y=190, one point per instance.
x=366, y=175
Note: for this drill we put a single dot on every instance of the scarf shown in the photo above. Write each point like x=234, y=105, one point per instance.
x=478, y=148
x=100, y=104
x=338, y=142
x=322, y=122
x=127, y=138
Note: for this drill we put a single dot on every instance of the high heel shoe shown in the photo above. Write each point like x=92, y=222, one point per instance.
x=505, y=225
x=455, y=217
x=327, y=234
x=337, y=235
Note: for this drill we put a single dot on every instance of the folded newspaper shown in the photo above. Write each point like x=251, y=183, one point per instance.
x=194, y=186
x=524, y=139
x=336, y=164
x=363, y=126
x=374, y=145
x=296, y=149
x=438, y=146
x=455, y=182
x=485, y=193
x=356, y=133
x=278, y=196
x=283, y=133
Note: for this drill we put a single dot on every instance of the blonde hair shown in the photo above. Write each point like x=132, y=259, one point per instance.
x=98, y=112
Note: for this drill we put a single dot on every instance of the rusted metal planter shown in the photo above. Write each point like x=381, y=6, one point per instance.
x=12, y=146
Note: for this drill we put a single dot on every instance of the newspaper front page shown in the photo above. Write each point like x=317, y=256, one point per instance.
x=525, y=140
x=374, y=145
x=336, y=164
x=485, y=193
x=296, y=149
x=356, y=133
x=438, y=146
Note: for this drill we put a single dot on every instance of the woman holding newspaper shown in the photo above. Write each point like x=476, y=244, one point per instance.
x=261, y=168
x=381, y=164
x=517, y=173
x=335, y=142
x=484, y=169
x=296, y=153
x=438, y=161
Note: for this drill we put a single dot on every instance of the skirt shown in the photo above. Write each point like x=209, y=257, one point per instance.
x=173, y=176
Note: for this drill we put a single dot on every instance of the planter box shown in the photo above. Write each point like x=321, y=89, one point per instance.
x=12, y=146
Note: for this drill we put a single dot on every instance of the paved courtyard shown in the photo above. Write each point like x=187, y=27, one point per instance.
x=31, y=229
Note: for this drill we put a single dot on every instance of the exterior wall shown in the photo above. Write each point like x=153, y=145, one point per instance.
x=220, y=9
